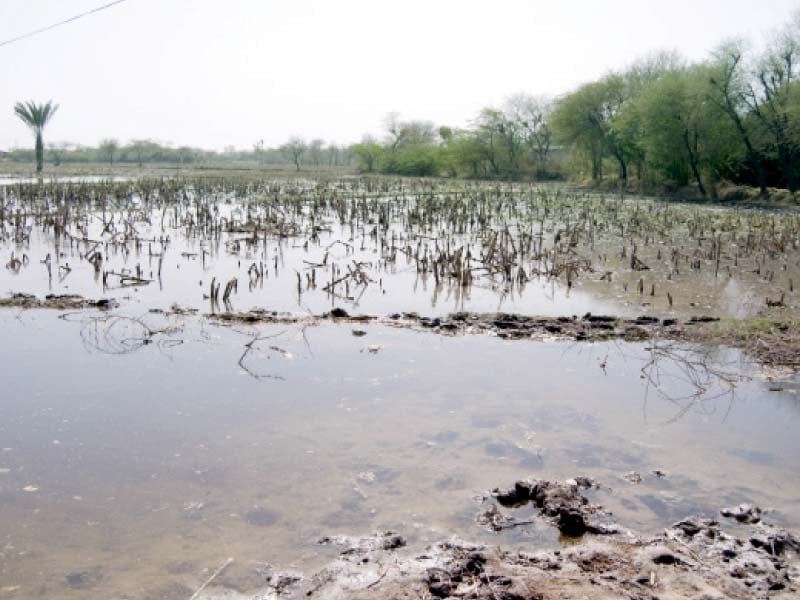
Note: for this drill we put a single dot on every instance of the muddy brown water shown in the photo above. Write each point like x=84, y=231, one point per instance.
x=132, y=470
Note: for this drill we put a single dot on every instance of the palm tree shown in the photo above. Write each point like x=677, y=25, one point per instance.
x=36, y=116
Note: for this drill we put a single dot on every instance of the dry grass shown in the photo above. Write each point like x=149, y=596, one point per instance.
x=773, y=342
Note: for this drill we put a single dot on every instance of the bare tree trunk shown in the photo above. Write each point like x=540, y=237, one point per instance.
x=39, y=152
x=597, y=161
x=728, y=105
x=753, y=158
x=692, y=154
x=623, y=166
x=786, y=157
x=777, y=121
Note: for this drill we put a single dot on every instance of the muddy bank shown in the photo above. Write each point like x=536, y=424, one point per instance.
x=697, y=557
x=773, y=342
x=666, y=566
x=723, y=194
x=55, y=302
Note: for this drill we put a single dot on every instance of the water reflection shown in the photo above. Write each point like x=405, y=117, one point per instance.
x=127, y=468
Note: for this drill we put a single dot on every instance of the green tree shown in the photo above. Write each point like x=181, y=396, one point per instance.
x=107, y=149
x=729, y=88
x=411, y=147
x=772, y=101
x=141, y=150
x=315, y=151
x=294, y=150
x=421, y=161
x=402, y=134
x=578, y=122
x=462, y=154
x=532, y=118
x=498, y=142
x=36, y=116
x=599, y=120
x=258, y=151
x=682, y=128
x=368, y=153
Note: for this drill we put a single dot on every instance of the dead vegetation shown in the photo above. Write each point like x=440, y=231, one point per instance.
x=773, y=342
x=340, y=240
x=345, y=239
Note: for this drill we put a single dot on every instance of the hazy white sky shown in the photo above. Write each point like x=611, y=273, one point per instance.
x=217, y=72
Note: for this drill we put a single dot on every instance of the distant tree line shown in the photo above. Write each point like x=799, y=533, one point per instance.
x=511, y=142
x=662, y=121
x=295, y=154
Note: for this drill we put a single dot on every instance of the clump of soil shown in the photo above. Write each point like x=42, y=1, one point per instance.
x=561, y=503
x=55, y=302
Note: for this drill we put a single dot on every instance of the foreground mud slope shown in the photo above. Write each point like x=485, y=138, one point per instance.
x=742, y=557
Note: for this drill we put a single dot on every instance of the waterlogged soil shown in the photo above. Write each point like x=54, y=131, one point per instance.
x=141, y=452
x=204, y=379
x=693, y=558
x=383, y=246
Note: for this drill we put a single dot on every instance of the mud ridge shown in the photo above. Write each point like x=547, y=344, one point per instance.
x=773, y=342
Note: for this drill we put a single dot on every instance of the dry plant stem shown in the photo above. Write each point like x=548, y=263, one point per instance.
x=208, y=581
x=249, y=347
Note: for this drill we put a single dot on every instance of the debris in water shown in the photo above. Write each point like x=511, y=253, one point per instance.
x=744, y=513
x=633, y=477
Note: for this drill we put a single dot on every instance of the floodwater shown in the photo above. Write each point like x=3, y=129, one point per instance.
x=699, y=260
x=139, y=451
x=13, y=180
x=132, y=470
x=189, y=266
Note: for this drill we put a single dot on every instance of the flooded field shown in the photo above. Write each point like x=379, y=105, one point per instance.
x=127, y=475
x=383, y=246
x=142, y=446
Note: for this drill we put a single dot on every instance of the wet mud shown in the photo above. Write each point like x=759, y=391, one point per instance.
x=694, y=558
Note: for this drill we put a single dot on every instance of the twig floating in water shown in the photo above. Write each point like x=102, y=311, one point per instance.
x=216, y=574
